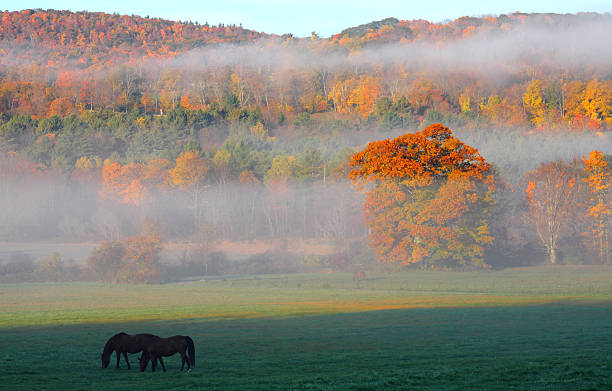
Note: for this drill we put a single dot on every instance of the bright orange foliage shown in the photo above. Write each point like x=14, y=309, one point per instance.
x=190, y=170
x=123, y=183
x=432, y=154
x=599, y=207
x=431, y=200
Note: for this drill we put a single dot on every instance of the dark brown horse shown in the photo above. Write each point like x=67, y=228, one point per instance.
x=123, y=343
x=164, y=347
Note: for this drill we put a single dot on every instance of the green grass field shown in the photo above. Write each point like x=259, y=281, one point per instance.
x=537, y=328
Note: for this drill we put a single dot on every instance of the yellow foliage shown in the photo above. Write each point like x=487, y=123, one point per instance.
x=190, y=170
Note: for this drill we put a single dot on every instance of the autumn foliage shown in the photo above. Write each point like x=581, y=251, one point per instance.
x=570, y=201
x=134, y=260
x=552, y=201
x=599, y=203
x=51, y=64
x=431, y=198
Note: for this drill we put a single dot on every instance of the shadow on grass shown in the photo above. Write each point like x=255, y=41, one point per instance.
x=557, y=347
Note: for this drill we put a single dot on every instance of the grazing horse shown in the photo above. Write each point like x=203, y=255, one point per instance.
x=164, y=347
x=126, y=343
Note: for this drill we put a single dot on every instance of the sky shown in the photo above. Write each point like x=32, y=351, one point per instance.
x=300, y=18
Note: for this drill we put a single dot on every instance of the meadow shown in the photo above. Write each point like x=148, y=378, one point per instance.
x=517, y=329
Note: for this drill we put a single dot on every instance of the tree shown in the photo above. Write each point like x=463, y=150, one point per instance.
x=597, y=100
x=52, y=268
x=140, y=263
x=123, y=183
x=364, y=95
x=599, y=181
x=135, y=260
x=431, y=198
x=189, y=174
x=279, y=193
x=544, y=102
x=552, y=199
x=105, y=261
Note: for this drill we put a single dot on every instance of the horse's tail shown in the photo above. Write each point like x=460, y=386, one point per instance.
x=190, y=350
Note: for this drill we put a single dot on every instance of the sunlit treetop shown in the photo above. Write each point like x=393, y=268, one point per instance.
x=422, y=158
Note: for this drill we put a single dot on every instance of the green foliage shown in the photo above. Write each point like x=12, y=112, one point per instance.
x=309, y=166
x=16, y=127
x=49, y=125
x=395, y=114
x=302, y=120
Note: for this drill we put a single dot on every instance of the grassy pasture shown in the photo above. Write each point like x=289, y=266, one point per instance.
x=542, y=328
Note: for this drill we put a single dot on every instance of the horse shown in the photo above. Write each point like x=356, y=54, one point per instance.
x=126, y=343
x=164, y=347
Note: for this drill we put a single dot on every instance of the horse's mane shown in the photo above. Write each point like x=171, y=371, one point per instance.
x=109, y=344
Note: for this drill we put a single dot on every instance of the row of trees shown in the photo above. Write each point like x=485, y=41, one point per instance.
x=289, y=97
x=570, y=198
x=430, y=200
x=126, y=63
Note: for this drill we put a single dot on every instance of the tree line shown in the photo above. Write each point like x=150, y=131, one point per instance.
x=151, y=67
x=429, y=200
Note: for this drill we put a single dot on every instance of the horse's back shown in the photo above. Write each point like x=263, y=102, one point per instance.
x=118, y=335
x=169, y=345
x=146, y=338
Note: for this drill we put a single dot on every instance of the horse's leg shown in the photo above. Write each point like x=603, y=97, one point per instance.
x=153, y=363
x=185, y=358
x=118, y=358
x=162, y=363
x=126, y=359
x=183, y=361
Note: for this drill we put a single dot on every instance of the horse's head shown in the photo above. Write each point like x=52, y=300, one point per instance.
x=108, y=349
x=105, y=360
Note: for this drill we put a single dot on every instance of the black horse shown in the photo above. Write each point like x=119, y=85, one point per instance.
x=126, y=343
x=164, y=347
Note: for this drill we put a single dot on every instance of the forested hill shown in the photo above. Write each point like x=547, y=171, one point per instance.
x=393, y=30
x=96, y=37
x=101, y=37
x=114, y=79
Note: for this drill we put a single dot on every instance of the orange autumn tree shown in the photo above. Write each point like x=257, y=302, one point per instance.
x=135, y=260
x=140, y=263
x=123, y=183
x=431, y=199
x=599, y=203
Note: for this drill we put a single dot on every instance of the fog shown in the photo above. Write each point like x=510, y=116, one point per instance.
x=42, y=215
x=571, y=47
x=573, y=44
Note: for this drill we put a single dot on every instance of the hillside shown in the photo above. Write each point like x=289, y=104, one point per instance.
x=89, y=72
x=97, y=39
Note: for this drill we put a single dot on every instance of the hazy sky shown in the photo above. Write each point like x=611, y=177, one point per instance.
x=326, y=17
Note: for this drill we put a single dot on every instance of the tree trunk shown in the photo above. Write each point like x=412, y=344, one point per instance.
x=553, y=255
